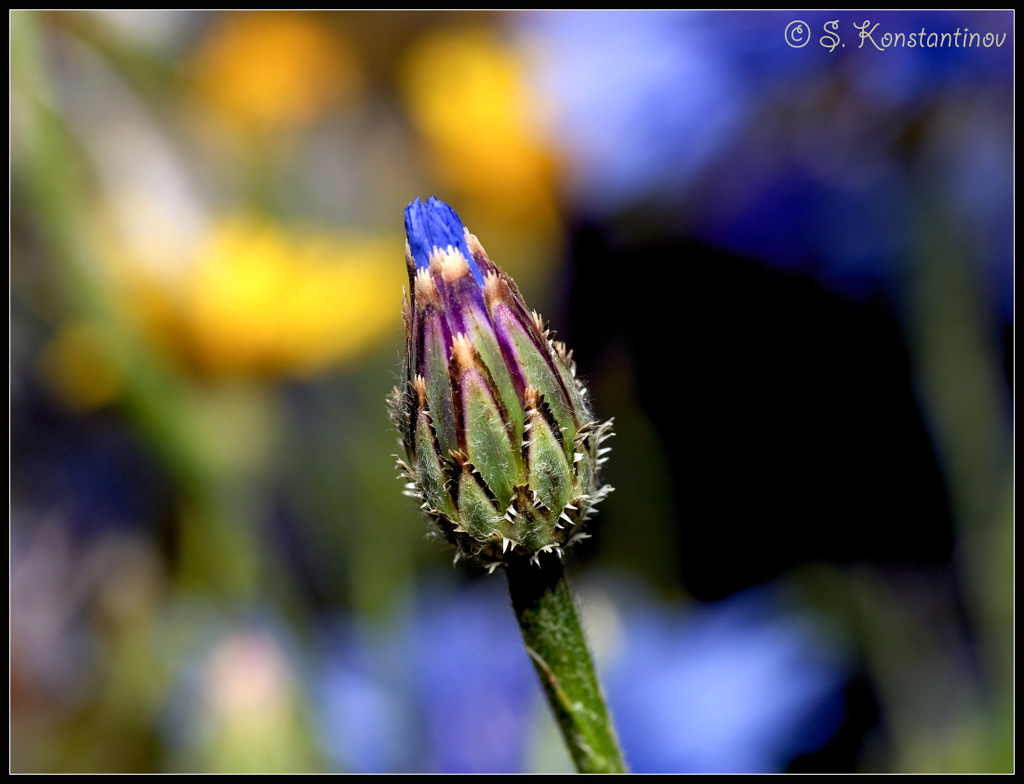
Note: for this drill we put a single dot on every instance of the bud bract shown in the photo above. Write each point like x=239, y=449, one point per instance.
x=501, y=449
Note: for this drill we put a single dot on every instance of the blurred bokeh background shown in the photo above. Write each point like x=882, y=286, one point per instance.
x=786, y=271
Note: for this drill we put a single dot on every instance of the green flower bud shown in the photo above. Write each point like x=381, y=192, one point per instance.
x=501, y=449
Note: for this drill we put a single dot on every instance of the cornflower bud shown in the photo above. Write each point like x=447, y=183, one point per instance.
x=501, y=449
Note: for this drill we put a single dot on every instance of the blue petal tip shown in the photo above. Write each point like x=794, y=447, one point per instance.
x=435, y=225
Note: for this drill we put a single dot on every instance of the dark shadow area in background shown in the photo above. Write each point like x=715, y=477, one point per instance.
x=842, y=752
x=786, y=412
x=788, y=419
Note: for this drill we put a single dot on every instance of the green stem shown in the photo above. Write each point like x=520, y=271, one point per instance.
x=555, y=641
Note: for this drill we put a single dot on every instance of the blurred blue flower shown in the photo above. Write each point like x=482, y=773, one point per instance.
x=367, y=718
x=477, y=688
x=448, y=690
x=642, y=100
x=906, y=75
x=807, y=159
x=740, y=686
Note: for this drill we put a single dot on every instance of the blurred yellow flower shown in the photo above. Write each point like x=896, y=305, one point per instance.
x=272, y=71
x=257, y=298
x=77, y=370
x=468, y=96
